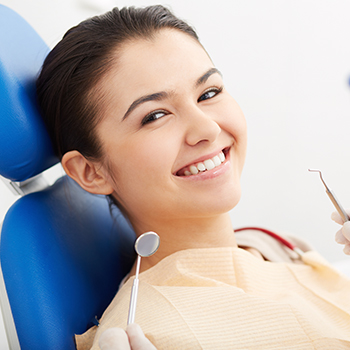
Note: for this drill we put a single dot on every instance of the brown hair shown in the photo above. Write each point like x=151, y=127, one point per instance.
x=66, y=87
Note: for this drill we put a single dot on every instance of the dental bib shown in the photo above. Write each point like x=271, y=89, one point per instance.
x=226, y=298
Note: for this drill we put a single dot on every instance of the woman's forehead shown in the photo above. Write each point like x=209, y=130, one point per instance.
x=169, y=58
x=170, y=62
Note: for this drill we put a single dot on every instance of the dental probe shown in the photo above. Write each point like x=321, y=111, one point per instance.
x=333, y=198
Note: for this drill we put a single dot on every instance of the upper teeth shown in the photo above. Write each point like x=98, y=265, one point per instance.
x=205, y=165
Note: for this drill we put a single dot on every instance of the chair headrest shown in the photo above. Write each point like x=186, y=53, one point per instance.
x=25, y=147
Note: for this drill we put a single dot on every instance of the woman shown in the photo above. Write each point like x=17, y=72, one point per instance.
x=137, y=111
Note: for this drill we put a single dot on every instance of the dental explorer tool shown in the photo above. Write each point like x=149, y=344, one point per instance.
x=146, y=245
x=333, y=198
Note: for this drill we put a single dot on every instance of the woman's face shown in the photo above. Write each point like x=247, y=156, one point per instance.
x=168, y=118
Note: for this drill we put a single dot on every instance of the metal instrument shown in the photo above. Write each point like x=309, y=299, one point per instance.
x=146, y=245
x=333, y=198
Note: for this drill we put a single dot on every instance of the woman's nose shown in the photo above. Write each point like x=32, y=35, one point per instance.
x=201, y=127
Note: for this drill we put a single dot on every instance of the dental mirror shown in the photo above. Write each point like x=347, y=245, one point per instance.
x=146, y=245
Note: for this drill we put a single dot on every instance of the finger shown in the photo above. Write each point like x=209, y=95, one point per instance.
x=114, y=339
x=137, y=339
x=337, y=218
x=346, y=230
x=339, y=237
x=346, y=249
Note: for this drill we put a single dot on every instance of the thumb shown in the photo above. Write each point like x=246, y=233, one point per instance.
x=346, y=230
x=337, y=218
x=114, y=339
x=137, y=339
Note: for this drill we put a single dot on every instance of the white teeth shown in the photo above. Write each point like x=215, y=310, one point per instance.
x=193, y=170
x=201, y=167
x=209, y=164
x=216, y=161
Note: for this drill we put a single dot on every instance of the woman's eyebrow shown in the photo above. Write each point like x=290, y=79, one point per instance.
x=152, y=97
x=158, y=96
x=206, y=76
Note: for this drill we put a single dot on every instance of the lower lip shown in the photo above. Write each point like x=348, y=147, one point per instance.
x=213, y=173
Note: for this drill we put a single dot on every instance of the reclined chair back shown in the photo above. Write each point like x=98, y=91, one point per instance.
x=63, y=252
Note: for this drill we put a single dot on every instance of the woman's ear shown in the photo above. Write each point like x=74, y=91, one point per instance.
x=86, y=173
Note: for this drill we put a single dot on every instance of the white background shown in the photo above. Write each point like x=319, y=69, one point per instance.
x=287, y=63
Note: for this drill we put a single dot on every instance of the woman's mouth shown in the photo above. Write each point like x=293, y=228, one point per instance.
x=205, y=165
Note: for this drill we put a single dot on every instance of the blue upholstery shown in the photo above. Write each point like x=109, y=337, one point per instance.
x=25, y=147
x=62, y=252
x=63, y=257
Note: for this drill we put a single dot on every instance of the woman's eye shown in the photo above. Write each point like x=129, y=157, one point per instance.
x=153, y=116
x=209, y=94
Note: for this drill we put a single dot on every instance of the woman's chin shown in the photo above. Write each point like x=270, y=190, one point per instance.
x=227, y=204
x=215, y=205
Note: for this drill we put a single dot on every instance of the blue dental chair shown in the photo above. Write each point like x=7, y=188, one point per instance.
x=63, y=252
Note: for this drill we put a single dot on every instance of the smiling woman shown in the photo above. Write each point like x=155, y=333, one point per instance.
x=137, y=111
x=185, y=117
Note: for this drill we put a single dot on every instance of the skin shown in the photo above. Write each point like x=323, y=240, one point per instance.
x=130, y=339
x=195, y=121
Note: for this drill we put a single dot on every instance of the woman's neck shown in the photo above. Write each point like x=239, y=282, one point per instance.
x=192, y=233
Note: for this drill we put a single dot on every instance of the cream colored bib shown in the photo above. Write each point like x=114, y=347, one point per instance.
x=226, y=298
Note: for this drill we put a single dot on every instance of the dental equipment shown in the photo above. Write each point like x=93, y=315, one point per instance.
x=146, y=245
x=333, y=198
x=274, y=235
